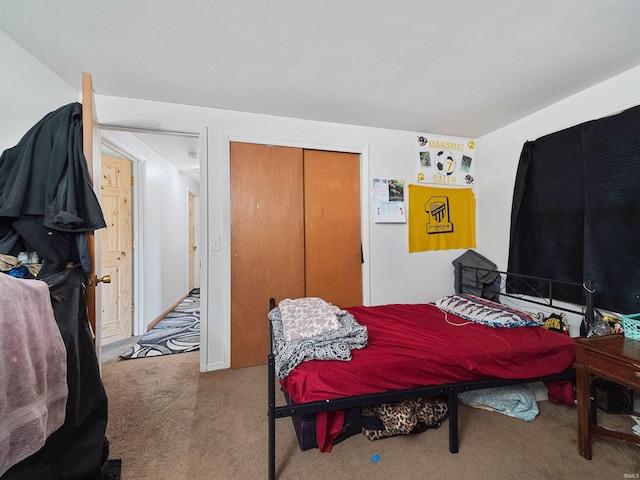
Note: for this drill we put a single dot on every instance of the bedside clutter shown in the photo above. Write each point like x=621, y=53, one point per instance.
x=613, y=397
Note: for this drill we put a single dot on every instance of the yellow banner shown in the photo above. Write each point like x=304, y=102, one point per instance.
x=441, y=218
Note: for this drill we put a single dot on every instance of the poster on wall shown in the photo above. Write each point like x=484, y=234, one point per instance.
x=388, y=201
x=445, y=160
x=441, y=218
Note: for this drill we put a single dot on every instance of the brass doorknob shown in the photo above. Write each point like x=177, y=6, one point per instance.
x=95, y=280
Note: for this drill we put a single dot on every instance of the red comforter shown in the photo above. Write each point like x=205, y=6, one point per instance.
x=414, y=345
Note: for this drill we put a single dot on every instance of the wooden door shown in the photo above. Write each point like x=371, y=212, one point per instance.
x=192, y=244
x=117, y=261
x=333, y=249
x=267, y=242
x=91, y=150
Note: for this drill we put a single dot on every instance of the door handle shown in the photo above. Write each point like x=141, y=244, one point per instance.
x=95, y=280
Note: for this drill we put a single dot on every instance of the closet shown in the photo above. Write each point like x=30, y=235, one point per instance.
x=295, y=232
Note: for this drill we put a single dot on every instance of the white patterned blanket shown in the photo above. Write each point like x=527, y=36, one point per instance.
x=330, y=345
x=307, y=317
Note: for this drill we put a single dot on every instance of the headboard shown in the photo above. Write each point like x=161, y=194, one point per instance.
x=500, y=286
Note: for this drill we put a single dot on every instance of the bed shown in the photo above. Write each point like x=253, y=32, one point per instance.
x=430, y=352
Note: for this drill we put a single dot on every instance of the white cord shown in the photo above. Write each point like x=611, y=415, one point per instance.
x=446, y=318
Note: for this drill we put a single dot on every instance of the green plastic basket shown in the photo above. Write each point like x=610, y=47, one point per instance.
x=631, y=325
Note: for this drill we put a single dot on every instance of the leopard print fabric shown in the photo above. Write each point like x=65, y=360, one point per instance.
x=405, y=417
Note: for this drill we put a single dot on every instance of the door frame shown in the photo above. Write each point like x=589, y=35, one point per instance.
x=192, y=240
x=207, y=260
x=138, y=200
x=90, y=148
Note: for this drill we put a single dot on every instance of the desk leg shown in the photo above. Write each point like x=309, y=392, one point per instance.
x=583, y=394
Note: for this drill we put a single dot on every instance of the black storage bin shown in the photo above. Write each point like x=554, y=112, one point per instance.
x=305, y=426
x=613, y=397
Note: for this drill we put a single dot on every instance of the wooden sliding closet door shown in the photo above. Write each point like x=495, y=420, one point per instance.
x=267, y=242
x=295, y=232
x=332, y=227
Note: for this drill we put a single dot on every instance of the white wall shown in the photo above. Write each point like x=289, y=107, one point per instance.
x=166, y=224
x=391, y=274
x=499, y=153
x=28, y=91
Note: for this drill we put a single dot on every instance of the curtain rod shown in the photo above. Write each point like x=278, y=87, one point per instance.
x=124, y=128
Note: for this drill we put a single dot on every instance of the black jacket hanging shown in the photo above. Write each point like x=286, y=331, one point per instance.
x=45, y=174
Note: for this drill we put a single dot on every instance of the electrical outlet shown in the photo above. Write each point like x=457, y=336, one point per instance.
x=215, y=243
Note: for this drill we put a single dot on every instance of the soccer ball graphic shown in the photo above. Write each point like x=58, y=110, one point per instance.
x=445, y=163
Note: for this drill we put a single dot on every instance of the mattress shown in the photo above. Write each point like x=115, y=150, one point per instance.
x=413, y=345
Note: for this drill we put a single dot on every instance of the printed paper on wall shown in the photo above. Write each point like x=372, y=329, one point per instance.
x=388, y=201
x=445, y=160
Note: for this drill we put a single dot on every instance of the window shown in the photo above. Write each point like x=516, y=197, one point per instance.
x=576, y=210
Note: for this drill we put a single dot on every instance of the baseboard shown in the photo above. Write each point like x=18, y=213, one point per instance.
x=216, y=366
x=165, y=313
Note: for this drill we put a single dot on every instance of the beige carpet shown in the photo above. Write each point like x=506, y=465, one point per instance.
x=168, y=421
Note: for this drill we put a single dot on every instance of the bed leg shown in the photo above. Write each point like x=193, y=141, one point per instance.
x=453, y=422
x=271, y=414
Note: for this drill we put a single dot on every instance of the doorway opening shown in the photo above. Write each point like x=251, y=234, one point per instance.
x=164, y=233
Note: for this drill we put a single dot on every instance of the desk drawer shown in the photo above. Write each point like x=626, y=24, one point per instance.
x=620, y=372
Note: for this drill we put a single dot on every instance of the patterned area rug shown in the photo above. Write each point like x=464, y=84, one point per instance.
x=178, y=332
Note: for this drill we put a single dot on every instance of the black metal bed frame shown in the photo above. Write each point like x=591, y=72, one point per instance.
x=450, y=390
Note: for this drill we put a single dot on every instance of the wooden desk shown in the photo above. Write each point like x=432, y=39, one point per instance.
x=614, y=358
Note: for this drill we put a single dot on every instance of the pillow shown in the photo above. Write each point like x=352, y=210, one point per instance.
x=307, y=317
x=486, y=312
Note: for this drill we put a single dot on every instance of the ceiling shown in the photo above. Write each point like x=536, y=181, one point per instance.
x=456, y=67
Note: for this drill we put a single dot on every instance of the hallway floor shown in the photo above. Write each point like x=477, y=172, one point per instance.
x=115, y=349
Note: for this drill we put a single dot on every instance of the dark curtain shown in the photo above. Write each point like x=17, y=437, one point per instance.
x=576, y=211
